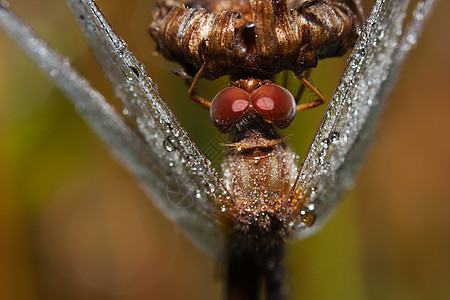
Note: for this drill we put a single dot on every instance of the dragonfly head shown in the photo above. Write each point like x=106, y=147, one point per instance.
x=250, y=97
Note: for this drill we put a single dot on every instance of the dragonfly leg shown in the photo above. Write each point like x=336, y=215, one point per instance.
x=301, y=88
x=305, y=83
x=191, y=93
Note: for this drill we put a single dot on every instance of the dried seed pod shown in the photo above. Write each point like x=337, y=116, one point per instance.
x=253, y=38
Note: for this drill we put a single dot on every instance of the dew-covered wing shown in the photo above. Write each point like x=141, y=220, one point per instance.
x=153, y=146
x=191, y=186
x=348, y=126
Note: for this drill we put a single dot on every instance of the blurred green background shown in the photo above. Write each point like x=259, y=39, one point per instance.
x=75, y=225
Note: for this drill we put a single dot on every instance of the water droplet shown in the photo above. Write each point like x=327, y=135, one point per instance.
x=142, y=67
x=376, y=41
x=125, y=112
x=43, y=52
x=129, y=75
x=321, y=153
x=135, y=71
x=170, y=144
x=326, y=142
x=34, y=41
x=334, y=136
x=411, y=38
x=90, y=26
x=54, y=72
x=308, y=217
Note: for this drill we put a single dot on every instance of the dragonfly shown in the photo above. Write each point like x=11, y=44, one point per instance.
x=154, y=146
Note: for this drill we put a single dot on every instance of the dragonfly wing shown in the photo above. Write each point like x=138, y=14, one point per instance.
x=348, y=127
x=188, y=188
x=159, y=152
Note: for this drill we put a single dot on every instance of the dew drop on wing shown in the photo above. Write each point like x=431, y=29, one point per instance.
x=326, y=142
x=170, y=144
x=321, y=153
x=90, y=26
x=334, y=136
x=308, y=217
x=54, y=72
x=376, y=41
x=135, y=71
x=129, y=75
x=142, y=67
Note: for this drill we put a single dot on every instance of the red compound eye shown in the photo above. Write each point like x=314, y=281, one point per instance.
x=275, y=104
x=228, y=107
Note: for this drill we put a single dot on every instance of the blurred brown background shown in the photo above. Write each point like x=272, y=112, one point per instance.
x=75, y=225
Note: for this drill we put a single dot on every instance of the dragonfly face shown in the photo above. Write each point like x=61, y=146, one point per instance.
x=248, y=98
